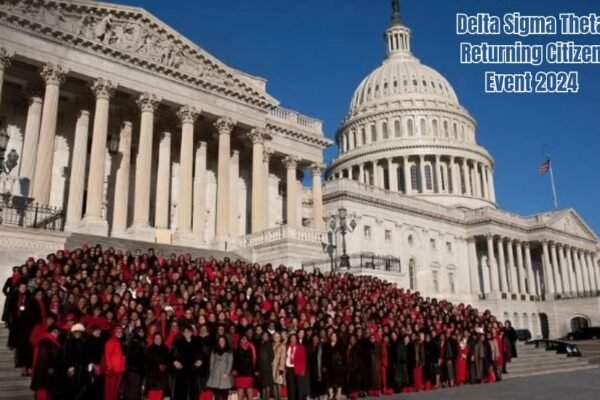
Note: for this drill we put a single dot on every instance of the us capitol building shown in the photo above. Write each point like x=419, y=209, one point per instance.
x=120, y=127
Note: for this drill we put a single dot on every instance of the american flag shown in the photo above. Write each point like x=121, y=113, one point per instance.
x=544, y=167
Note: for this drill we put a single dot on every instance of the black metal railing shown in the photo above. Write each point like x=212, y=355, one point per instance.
x=557, y=345
x=19, y=212
x=357, y=261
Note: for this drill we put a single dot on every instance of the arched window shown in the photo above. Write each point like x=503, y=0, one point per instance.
x=446, y=129
x=373, y=133
x=410, y=127
x=455, y=131
x=434, y=125
x=525, y=321
x=415, y=182
x=578, y=323
x=354, y=139
x=442, y=170
x=428, y=177
x=384, y=128
x=397, y=128
x=423, y=127
x=412, y=280
x=363, y=135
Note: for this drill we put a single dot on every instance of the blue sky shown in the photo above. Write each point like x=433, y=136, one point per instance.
x=315, y=52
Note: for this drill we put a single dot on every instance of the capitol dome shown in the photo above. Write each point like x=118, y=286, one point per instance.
x=406, y=131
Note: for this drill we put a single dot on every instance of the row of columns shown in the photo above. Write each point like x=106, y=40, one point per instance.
x=566, y=270
x=449, y=174
x=38, y=152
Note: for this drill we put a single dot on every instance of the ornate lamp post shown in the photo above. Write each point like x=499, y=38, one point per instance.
x=339, y=223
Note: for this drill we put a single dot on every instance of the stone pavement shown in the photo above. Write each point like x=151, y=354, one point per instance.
x=576, y=385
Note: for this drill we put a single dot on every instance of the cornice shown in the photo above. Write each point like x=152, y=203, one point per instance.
x=64, y=22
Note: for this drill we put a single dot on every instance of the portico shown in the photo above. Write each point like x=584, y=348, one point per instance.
x=162, y=143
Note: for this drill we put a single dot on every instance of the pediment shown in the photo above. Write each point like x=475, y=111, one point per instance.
x=570, y=222
x=134, y=36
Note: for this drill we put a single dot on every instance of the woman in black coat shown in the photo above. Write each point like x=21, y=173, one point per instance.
x=355, y=367
x=48, y=371
x=157, y=368
x=76, y=364
x=186, y=361
x=399, y=363
x=317, y=370
x=431, y=365
x=336, y=367
x=94, y=349
x=266, y=355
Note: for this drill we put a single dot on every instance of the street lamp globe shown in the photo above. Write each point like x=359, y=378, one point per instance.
x=343, y=213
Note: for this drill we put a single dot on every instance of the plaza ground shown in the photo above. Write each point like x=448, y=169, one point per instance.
x=576, y=385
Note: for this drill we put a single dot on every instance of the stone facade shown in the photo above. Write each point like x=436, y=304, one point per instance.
x=137, y=132
x=410, y=172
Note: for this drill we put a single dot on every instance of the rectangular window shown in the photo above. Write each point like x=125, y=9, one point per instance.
x=451, y=282
x=367, y=230
x=388, y=235
x=432, y=243
x=449, y=247
x=436, y=283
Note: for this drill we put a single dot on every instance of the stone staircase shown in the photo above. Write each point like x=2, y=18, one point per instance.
x=12, y=385
x=538, y=361
x=76, y=240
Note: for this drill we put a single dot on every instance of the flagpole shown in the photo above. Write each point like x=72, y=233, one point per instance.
x=553, y=185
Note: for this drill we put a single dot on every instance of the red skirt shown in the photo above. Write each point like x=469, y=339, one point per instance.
x=243, y=382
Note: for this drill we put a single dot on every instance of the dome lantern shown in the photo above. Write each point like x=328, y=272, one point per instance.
x=397, y=36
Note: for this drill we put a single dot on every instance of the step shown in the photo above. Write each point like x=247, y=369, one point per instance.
x=77, y=240
x=549, y=371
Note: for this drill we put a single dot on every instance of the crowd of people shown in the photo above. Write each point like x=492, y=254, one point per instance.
x=106, y=324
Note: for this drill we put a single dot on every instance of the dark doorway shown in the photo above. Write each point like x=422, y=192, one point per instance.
x=544, y=326
x=579, y=323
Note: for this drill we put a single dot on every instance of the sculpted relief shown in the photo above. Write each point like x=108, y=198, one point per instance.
x=124, y=31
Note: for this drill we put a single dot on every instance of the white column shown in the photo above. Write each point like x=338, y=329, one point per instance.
x=234, y=198
x=473, y=266
x=6, y=56
x=183, y=234
x=555, y=269
x=492, y=264
x=93, y=221
x=589, y=274
x=454, y=172
x=572, y=272
x=380, y=177
x=291, y=163
x=564, y=269
x=528, y=266
x=521, y=268
x=163, y=185
x=582, y=267
x=491, y=185
x=502, y=265
x=476, y=180
x=593, y=272
x=317, y=194
x=375, y=170
x=200, y=193
x=54, y=75
x=422, y=173
x=578, y=271
x=514, y=287
x=393, y=175
x=549, y=281
x=224, y=127
x=77, y=173
x=361, y=173
x=257, y=136
x=594, y=263
x=141, y=229
x=438, y=174
x=121, y=203
x=267, y=153
x=467, y=177
x=30, y=142
x=407, y=181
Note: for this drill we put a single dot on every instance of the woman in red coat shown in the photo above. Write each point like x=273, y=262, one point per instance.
x=114, y=365
x=461, y=362
x=295, y=365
